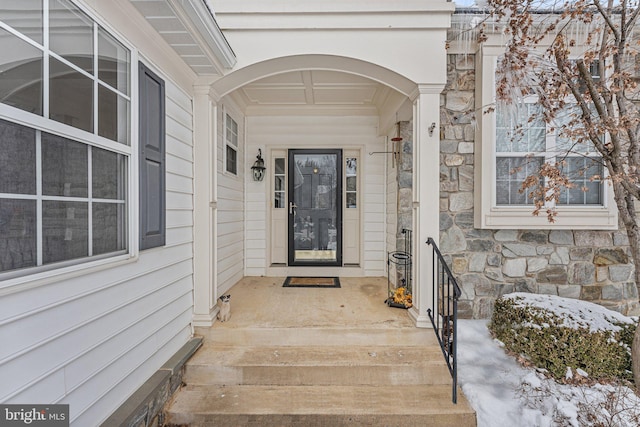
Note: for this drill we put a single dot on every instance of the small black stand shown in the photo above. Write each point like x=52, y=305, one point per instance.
x=402, y=262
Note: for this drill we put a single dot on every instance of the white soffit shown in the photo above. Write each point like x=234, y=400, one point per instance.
x=189, y=27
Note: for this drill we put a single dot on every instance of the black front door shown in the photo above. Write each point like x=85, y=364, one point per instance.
x=315, y=207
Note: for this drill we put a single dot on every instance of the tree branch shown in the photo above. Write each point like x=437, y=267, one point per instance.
x=604, y=13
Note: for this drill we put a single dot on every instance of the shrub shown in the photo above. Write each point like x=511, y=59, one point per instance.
x=556, y=333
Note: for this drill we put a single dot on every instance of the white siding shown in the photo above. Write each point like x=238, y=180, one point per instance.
x=90, y=341
x=374, y=186
x=283, y=132
x=230, y=236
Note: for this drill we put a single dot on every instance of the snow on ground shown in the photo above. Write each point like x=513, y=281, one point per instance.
x=503, y=393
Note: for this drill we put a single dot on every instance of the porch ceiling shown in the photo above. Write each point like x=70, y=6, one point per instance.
x=297, y=92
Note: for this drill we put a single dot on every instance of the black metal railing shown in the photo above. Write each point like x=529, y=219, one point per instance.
x=445, y=318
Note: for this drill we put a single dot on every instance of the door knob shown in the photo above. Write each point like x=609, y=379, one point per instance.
x=292, y=206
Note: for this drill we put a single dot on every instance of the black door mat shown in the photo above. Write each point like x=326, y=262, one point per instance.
x=311, y=282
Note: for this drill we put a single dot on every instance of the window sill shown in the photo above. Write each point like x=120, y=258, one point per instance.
x=568, y=218
x=39, y=276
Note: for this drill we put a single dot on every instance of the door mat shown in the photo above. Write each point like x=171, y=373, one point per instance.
x=311, y=282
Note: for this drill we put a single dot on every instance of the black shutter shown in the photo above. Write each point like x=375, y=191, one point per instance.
x=152, y=159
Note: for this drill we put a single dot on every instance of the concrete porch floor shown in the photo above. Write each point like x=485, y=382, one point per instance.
x=358, y=303
x=305, y=357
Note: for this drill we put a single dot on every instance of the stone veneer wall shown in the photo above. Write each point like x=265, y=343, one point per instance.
x=590, y=265
x=404, y=166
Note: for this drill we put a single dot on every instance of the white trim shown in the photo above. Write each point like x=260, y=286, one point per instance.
x=133, y=166
x=205, y=119
x=39, y=212
x=44, y=124
x=45, y=60
x=200, y=17
x=52, y=273
x=94, y=78
x=228, y=143
x=90, y=200
x=45, y=273
x=487, y=215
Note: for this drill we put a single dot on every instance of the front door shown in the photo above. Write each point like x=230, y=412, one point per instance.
x=315, y=207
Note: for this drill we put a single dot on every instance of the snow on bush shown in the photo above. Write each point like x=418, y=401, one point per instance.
x=561, y=334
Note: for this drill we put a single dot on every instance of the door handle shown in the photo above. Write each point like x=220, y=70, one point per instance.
x=292, y=206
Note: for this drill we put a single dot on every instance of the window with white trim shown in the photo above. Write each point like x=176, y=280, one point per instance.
x=524, y=142
x=279, y=183
x=231, y=150
x=351, y=189
x=65, y=96
x=513, y=144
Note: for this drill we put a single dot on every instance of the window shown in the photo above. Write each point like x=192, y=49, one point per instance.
x=524, y=143
x=232, y=160
x=279, y=183
x=511, y=145
x=64, y=135
x=231, y=138
x=351, y=172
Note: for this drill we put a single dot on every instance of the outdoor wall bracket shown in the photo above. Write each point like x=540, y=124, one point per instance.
x=395, y=147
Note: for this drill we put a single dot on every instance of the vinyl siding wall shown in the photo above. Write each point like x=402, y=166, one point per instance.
x=283, y=132
x=230, y=236
x=91, y=338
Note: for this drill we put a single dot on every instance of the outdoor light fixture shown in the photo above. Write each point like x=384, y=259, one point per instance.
x=258, y=167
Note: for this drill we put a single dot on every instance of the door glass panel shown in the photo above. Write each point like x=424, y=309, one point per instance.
x=315, y=208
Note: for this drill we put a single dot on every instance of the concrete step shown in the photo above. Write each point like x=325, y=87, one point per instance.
x=405, y=337
x=316, y=365
x=384, y=405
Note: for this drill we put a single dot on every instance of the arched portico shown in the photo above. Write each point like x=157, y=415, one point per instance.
x=425, y=114
x=254, y=72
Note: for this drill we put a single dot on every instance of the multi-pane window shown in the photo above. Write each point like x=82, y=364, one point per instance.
x=279, y=183
x=231, y=137
x=63, y=180
x=502, y=163
x=524, y=142
x=351, y=172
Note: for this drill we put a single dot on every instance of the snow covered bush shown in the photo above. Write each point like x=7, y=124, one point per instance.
x=560, y=334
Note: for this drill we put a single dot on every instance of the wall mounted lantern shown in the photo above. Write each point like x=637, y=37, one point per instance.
x=258, y=167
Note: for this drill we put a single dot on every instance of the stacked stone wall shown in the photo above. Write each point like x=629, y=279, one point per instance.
x=404, y=164
x=590, y=265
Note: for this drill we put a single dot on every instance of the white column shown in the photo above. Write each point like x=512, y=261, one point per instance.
x=205, y=165
x=426, y=195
